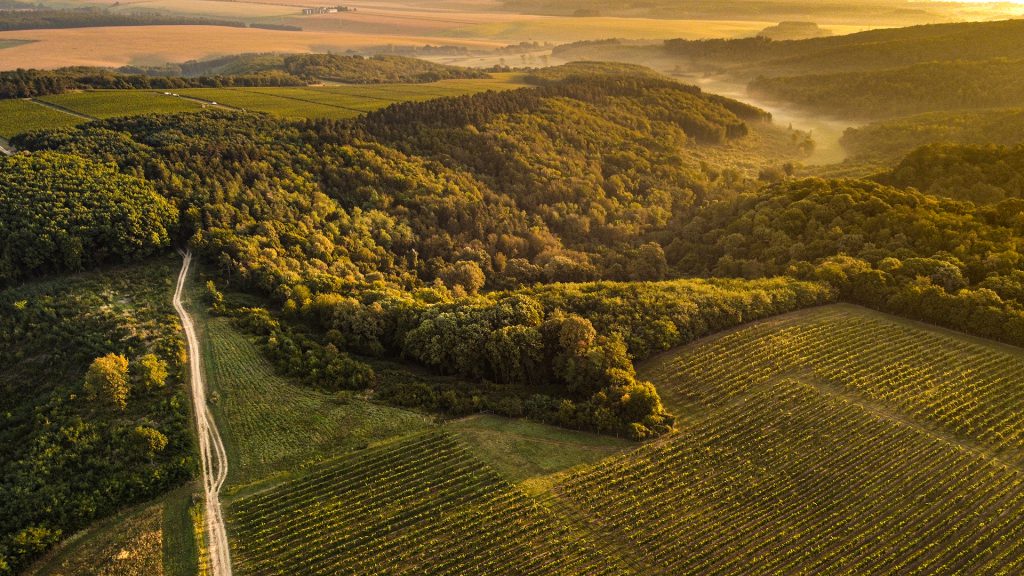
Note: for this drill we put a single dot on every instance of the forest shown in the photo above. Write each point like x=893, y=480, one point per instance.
x=981, y=174
x=886, y=142
x=260, y=70
x=872, y=50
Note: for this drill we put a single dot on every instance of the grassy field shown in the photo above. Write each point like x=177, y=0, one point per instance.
x=154, y=539
x=529, y=454
x=17, y=116
x=833, y=440
x=421, y=506
x=270, y=425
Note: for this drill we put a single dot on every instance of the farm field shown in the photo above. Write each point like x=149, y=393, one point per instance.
x=17, y=116
x=791, y=479
x=157, y=45
x=111, y=103
x=422, y=505
x=965, y=389
x=271, y=425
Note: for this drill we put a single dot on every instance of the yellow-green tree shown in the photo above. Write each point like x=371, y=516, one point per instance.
x=107, y=380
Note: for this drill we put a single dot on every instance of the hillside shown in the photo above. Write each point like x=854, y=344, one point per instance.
x=444, y=337
x=802, y=444
x=929, y=87
x=863, y=51
x=886, y=142
x=981, y=174
x=372, y=252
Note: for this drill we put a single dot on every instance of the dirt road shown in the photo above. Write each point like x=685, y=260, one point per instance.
x=211, y=449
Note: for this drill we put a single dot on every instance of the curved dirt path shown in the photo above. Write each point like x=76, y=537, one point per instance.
x=211, y=448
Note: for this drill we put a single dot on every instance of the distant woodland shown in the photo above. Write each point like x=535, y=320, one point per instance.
x=256, y=70
x=44, y=18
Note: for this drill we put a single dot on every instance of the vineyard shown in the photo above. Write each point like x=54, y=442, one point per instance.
x=422, y=505
x=18, y=116
x=111, y=103
x=793, y=480
x=965, y=389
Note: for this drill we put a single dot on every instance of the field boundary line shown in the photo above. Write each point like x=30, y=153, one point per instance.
x=569, y=515
x=60, y=108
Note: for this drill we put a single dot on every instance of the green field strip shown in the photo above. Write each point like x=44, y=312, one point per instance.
x=291, y=96
x=114, y=103
x=268, y=102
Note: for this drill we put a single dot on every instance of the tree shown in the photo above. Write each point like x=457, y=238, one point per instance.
x=149, y=441
x=467, y=274
x=214, y=297
x=107, y=380
x=149, y=372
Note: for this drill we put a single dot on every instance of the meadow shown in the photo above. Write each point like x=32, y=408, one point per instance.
x=529, y=454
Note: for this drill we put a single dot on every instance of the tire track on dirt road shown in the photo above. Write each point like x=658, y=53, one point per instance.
x=211, y=449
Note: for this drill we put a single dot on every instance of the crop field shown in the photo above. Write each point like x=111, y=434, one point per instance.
x=342, y=101
x=17, y=116
x=111, y=103
x=156, y=45
x=423, y=505
x=274, y=425
x=963, y=388
x=794, y=480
